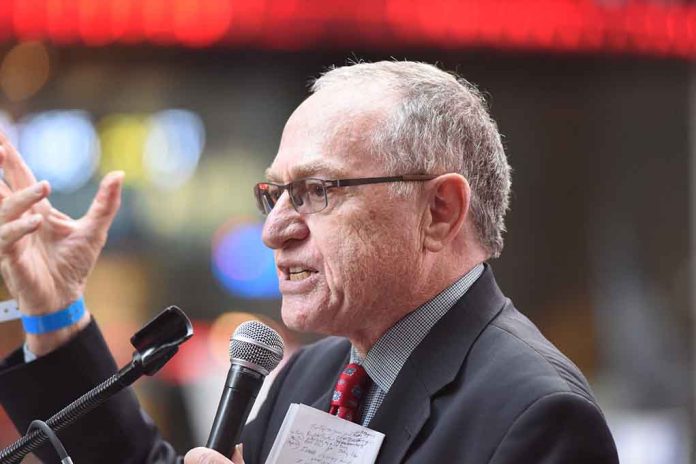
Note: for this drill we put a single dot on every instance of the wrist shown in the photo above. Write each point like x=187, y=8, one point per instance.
x=45, y=333
x=45, y=343
x=44, y=306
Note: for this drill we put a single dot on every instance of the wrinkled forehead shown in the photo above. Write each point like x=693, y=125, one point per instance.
x=311, y=165
x=328, y=137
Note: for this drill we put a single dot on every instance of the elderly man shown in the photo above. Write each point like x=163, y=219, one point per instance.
x=386, y=197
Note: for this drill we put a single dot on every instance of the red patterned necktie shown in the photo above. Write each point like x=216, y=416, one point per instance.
x=350, y=389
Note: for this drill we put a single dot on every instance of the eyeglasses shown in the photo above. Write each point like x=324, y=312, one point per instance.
x=309, y=195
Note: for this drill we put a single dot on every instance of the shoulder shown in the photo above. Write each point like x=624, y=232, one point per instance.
x=538, y=405
x=514, y=345
x=558, y=427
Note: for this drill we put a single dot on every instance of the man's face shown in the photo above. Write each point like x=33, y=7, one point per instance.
x=346, y=268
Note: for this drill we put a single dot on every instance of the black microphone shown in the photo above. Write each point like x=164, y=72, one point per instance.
x=154, y=344
x=255, y=350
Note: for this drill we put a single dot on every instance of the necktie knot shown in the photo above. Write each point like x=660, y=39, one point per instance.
x=350, y=390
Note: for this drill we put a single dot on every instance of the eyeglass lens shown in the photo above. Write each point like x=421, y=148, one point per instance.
x=307, y=195
x=266, y=196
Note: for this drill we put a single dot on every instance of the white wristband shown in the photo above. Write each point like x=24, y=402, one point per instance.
x=9, y=311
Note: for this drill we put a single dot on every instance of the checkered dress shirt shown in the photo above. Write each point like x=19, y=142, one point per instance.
x=386, y=358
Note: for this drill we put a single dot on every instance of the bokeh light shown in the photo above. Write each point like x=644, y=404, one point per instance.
x=173, y=147
x=656, y=27
x=243, y=264
x=61, y=147
x=193, y=362
x=123, y=139
x=24, y=70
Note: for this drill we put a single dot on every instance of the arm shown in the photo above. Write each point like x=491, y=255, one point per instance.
x=46, y=256
x=115, y=432
x=560, y=428
x=45, y=259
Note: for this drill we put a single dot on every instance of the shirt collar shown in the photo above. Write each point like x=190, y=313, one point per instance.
x=386, y=358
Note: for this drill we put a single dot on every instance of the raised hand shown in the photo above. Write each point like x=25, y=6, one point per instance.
x=46, y=256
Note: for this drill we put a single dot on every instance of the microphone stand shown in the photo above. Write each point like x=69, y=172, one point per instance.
x=155, y=344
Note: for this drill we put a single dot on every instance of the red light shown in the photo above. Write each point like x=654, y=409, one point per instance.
x=193, y=361
x=29, y=19
x=62, y=20
x=157, y=21
x=577, y=25
x=95, y=22
x=6, y=9
x=198, y=23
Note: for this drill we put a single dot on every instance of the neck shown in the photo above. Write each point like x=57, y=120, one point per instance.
x=363, y=340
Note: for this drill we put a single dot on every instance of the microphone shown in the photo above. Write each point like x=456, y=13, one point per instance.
x=255, y=350
x=154, y=344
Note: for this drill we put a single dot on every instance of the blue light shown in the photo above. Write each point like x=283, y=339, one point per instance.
x=61, y=147
x=173, y=147
x=243, y=264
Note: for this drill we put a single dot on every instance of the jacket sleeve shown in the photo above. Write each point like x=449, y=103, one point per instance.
x=560, y=428
x=117, y=432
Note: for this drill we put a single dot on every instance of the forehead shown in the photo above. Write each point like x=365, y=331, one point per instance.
x=309, y=166
x=326, y=137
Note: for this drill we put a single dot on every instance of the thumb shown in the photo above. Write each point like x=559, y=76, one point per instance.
x=238, y=456
x=205, y=456
x=107, y=200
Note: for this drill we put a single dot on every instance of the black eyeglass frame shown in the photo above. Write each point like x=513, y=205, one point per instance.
x=263, y=200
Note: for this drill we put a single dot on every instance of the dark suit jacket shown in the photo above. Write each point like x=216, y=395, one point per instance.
x=484, y=386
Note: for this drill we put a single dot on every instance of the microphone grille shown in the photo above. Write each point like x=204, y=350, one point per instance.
x=256, y=346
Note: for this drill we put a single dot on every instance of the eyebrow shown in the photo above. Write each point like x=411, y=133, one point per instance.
x=310, y=169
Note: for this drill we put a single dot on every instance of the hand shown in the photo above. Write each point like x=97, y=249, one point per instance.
x=208, y=456
x=46, y=256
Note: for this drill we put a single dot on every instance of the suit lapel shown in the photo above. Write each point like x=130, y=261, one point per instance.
x=434, y=364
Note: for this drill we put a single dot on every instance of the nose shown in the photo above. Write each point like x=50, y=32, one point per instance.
x=283, y=224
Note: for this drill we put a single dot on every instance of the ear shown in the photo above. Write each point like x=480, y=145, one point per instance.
x=447, y=208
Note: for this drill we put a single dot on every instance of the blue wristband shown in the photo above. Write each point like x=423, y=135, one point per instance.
x=55, y=321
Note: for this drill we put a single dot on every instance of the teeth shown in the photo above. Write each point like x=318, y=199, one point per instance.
x=299, y=275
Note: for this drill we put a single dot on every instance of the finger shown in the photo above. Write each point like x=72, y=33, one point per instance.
x=16, y=171
x=205, y=456
x=20, y=202
x=16, y=175
x=107, y=201
x=12, y=232
x=4, y=188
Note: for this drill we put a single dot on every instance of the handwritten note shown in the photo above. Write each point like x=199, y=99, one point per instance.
x=310, y=436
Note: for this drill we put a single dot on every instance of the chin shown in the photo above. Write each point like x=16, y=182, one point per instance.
x=305, y=318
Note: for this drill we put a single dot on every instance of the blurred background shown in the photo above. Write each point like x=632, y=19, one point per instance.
x=595, y=98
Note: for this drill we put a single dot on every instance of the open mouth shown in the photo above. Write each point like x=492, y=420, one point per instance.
x=296, y=274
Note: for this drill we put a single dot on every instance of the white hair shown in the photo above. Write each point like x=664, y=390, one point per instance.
x=440, y=124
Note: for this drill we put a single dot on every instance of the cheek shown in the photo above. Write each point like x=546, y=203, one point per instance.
x=345, y=250
x=370, y=256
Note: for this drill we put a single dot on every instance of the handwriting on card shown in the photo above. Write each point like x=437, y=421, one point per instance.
x=309, y=436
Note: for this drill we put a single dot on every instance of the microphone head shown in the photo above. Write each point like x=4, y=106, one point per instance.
x=256, y=346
